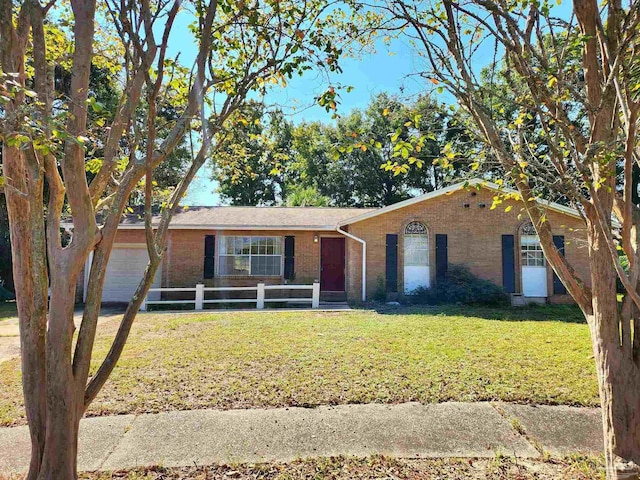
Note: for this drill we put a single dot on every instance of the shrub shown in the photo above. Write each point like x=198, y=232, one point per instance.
x=461, y=286
x=380, y=293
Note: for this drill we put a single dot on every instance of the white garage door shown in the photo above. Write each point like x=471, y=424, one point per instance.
x=124, y=271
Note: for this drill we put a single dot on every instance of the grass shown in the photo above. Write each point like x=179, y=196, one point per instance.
x=370, y=468
x=378, y=467
x=8, y=310
x=247, y=359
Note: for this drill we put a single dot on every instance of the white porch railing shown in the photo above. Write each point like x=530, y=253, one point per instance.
x=260, y=298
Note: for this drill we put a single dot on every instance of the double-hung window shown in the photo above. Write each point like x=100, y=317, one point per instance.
x=531, y=250
x=250, y=256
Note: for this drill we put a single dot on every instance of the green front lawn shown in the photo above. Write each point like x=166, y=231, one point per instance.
x=246, y=359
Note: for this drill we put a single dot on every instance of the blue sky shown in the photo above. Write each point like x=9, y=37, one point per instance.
x=386, y=70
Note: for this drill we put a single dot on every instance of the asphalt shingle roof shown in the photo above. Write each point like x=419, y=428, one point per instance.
x=258, y=217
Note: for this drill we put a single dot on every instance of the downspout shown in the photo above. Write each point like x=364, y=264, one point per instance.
x=364, y=259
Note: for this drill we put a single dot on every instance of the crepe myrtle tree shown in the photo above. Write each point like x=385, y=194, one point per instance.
x=567, y=125
x=240, y=47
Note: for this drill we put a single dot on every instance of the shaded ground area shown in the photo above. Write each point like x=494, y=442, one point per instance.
x=8, y=310
x=533, y=312
x=262, y=359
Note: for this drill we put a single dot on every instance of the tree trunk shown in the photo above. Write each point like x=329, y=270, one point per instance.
x=619, y=385
x=618, y=373
x=65, y=393
x=61, y=448
x=30, y=279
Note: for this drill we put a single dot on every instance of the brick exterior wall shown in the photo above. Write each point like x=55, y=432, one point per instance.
x=183, y=265
x=185, y=259
x=474, y=239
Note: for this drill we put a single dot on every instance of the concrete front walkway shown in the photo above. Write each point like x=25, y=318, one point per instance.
x=411, y=430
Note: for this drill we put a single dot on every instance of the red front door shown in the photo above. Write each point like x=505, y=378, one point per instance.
x=332, y=264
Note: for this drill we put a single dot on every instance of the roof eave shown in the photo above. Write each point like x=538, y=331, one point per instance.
x=318, y=228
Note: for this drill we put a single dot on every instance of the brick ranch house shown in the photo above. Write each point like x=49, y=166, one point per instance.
x=353, y=252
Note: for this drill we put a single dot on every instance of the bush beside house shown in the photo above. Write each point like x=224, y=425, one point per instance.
x=459, y=285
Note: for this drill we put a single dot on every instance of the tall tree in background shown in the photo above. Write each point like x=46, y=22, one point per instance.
x=253, y=162
x=266, y=155
x=47, y=144
x=575, y=83
x=306, y=197
x=380, y=136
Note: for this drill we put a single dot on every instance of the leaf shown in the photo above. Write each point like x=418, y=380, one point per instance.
x=385, y=112
x=59, y=134
x=97, y=107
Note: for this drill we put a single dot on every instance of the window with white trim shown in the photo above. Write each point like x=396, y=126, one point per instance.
x=250, y=256
x=531, y=251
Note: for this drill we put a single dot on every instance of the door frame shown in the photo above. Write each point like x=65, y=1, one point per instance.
x=344, y=263
x=522, y=266
x=546, y=281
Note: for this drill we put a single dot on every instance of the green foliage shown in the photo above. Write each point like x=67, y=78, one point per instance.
x=380, y=293
x=306, y=197
x=248, y=161
x=461, y=286
x=265, y=155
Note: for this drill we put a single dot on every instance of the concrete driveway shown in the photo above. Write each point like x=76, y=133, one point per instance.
x=10, y=334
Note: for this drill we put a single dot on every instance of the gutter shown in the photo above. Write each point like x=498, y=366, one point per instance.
x=364, y=259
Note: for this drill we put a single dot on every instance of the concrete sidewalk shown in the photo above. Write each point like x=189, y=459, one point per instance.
x=411, y=430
